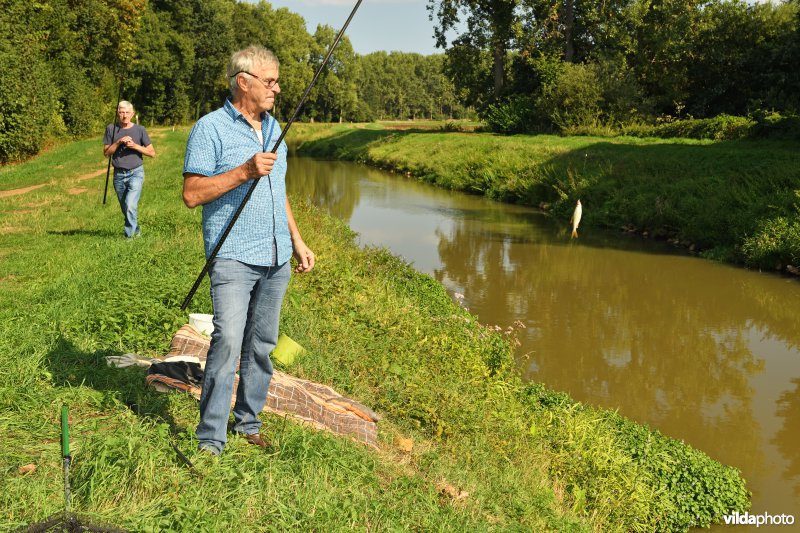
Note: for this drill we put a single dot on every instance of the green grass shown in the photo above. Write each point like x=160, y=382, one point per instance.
x=73, y=291
x=736, y=201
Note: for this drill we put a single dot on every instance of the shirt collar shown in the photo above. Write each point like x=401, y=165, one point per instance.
x=236, y=114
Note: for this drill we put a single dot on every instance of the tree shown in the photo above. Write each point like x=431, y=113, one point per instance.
x=401, y=85
x=374, y=86
x=161, y=79
x=665, y=50
x=334, y=97
x=580, y=31
x=738, y=59
x=573, y=98
x=28, y=94
x=64, y=62
x=213, y=36
x=490, y=25
x=285, y=34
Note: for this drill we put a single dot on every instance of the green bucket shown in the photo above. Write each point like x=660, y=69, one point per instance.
x=286, y=351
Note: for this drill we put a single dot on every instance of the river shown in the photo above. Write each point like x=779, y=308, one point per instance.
x=704, y=352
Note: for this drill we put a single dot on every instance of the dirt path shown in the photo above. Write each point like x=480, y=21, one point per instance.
x=15, y=192
x=92, y=175
x=78, y=190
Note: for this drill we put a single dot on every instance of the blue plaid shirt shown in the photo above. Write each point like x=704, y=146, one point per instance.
x=223, y=140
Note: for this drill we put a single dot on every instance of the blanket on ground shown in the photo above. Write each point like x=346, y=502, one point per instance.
x=312, y=403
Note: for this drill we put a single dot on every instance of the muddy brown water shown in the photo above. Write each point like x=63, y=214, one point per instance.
x=704, y=352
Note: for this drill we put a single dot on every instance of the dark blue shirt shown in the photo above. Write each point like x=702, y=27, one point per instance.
x=126, y=158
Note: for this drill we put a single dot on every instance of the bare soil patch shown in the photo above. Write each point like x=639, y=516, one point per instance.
x=91, y=175
x=15, y=192
x=10, y=229
x=77, y=190
x=35, y=205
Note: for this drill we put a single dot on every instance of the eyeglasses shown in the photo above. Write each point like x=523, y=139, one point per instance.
x=269, y=84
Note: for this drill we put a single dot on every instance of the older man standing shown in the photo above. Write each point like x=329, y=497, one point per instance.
x=226, y=149
x=126, y=145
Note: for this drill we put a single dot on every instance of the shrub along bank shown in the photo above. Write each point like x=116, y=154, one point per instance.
x=488, y=451
x=736, y=200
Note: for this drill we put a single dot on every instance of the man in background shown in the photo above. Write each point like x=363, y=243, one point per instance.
x=126, y=144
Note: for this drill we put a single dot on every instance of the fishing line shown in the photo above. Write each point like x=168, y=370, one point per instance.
x=253, y=185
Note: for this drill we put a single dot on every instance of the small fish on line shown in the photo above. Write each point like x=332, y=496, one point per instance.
x=576, y=219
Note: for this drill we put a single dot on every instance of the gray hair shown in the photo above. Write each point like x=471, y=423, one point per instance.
x=125, y=105
x=247, y=60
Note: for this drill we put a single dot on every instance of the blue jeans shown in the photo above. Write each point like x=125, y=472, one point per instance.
x=128, y=184
x=247, y=303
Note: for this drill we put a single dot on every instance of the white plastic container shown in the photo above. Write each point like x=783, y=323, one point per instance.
x=201, y=323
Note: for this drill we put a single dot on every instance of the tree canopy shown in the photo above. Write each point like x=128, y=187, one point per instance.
x=66, y=62
x=523, y=65
x=647, y=58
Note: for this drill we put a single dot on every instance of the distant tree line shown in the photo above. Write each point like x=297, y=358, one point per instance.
x=65, y=63
x=534, y=65
x=525, y=65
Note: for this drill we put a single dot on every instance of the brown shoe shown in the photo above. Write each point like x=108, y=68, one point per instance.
x=258, y=440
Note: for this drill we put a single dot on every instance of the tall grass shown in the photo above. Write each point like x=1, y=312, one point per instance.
x=488, y=451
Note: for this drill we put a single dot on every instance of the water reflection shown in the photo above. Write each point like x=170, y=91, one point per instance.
x=703, y=352
x=785, y=439
x=329, y=185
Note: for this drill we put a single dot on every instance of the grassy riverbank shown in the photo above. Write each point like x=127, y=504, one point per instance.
x=736, y=201
x=489, y=452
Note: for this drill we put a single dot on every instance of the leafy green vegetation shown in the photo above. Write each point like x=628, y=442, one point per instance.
x=719, y=128
x=618, y=445
x=489, y=452
x=520, y=65
x=777, y=242
x=169, y=60
x=734, y=200
x=576, y=65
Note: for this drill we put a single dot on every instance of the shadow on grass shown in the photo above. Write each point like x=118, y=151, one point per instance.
x=86, y=232
x=69, y=366
x=349, y=144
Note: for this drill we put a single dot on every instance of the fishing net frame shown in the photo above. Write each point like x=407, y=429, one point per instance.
x=68, y=522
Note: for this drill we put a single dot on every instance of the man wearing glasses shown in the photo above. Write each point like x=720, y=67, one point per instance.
x=226, y=149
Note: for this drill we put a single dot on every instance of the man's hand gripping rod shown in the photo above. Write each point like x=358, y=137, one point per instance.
x=253, y=185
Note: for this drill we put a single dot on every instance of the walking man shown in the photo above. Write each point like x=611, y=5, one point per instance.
x=226, y=149
x=126, y=144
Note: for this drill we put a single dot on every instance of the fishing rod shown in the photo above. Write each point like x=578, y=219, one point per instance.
x=253, y=185
x=113, y=133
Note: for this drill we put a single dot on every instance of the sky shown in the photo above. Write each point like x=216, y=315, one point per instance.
x=390, y=25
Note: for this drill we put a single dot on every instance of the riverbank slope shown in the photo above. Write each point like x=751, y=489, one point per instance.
x=735, y=201
x=464, y=444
